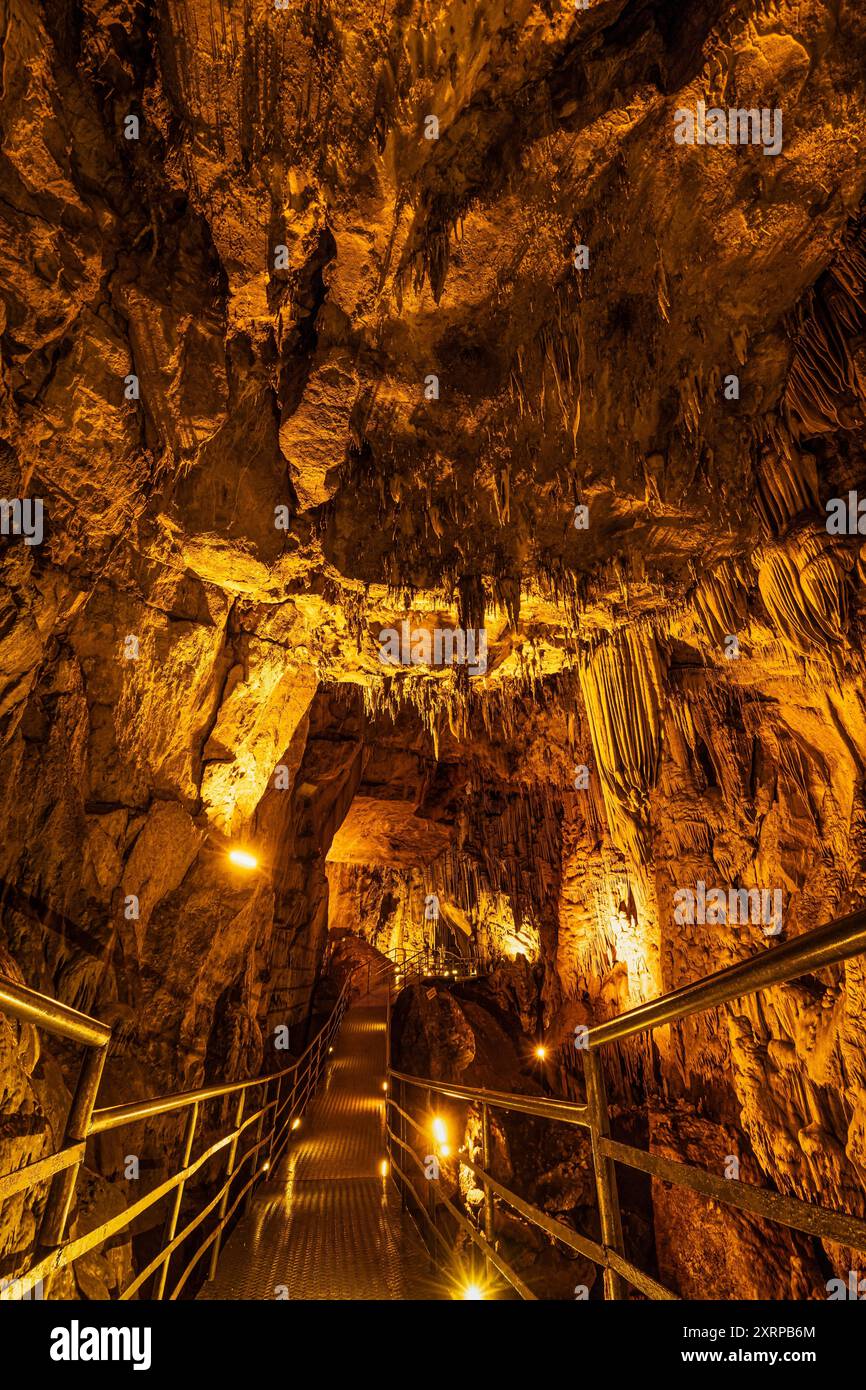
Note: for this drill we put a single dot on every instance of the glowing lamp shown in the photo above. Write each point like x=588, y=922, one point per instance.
x=383, y=1168
x=473, y=1292
x=440, y=1133
x=296, y=1124
x=243, y=859
x=541, y=1052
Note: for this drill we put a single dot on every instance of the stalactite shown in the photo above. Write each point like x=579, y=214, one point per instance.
x=471, y=602
x=721, y=600
x=506, y=594
x=803, y=585
x=691, y=388
x=824, y=391
x=787, y=482
x=621, y=680
x=553, y=355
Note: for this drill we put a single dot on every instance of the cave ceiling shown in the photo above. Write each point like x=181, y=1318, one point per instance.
x=284, y=260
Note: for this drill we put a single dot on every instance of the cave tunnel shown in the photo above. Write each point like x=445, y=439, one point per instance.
x=433, y=661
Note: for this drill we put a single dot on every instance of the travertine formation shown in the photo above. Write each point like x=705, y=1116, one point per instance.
x=326, y=323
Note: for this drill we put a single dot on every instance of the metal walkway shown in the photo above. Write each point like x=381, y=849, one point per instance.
x=329, y=1225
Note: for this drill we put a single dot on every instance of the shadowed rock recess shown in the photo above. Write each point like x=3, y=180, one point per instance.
x=438, y=463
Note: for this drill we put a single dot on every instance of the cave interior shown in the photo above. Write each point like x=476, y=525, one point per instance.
x=431, y=534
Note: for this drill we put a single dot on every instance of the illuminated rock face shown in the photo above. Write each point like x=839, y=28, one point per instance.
x=377, y=316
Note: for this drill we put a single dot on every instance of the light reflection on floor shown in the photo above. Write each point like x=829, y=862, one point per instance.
x=327, y=1225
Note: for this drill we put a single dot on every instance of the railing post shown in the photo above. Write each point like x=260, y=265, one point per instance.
x=53, y=1226
x=605, y=1173
x=292, y=1098
x=256, y=1140
x=312, y=1075
x=433, y=1184
x=485, y=1164
x=309, y=1084
x=387, y=1069
x=274, y=1121
x=401, y=1130
x=171, y=1224
x=230, y=1167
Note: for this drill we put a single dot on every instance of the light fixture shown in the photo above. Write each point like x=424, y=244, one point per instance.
x=472, y=1292
x=384, y=1085
x=383, y=1168
x=243, y=859
x=541, y=1052
x=440, y=1133
x=266, y=1167
x=296, y=1124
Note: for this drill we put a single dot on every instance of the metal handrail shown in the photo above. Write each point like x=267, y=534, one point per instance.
x=831, y=944
x=295, y=1085
x=85, y=1121
x=114, y=1116
x=566, y=1111
x=828, y=945
x=44, y=1012
x=422, y=962
x=426, y=960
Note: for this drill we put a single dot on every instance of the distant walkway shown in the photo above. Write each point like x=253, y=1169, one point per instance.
x=327, y=1225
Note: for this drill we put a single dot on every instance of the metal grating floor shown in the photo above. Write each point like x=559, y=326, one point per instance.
x=327, y=1226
